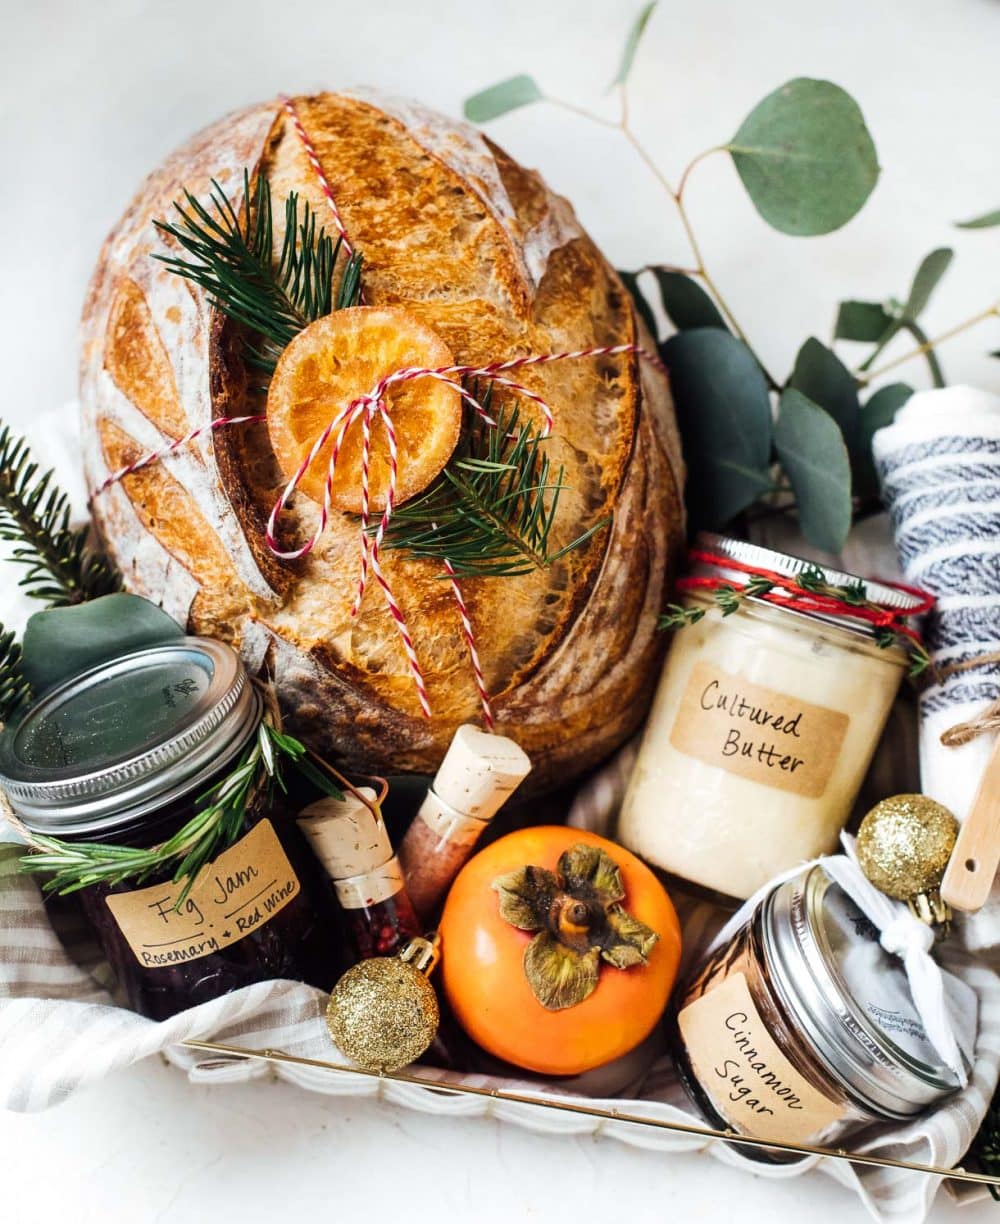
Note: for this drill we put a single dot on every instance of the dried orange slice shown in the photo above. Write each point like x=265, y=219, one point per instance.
x=331, y=363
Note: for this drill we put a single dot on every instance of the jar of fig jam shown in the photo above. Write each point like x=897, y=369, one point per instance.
x=124, y=754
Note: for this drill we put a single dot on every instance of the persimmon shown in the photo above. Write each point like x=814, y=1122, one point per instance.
x=559, y=950
x=340, y=357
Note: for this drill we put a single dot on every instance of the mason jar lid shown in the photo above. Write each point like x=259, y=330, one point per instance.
x=850, y=997
x=128, y=736
x=789, y=566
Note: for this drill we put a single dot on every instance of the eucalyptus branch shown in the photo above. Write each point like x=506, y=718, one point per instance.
x=991, y=312
x=677, y=196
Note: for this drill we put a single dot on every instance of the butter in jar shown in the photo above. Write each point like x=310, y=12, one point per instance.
x=763, y=727
x=802, y=1029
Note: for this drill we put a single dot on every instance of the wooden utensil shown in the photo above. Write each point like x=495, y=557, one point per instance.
x=969, y=875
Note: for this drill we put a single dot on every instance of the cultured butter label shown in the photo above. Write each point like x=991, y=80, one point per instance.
x=240, y=891
x=744, y=1073
x=757, y=733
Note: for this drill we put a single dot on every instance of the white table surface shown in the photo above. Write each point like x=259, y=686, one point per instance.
x=94, y=95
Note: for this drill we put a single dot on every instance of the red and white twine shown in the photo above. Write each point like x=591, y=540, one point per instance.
x=366, y=409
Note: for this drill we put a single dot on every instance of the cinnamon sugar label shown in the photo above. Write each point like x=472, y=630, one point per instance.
x=242, y=890
x=739, y=1066
x=757, y=733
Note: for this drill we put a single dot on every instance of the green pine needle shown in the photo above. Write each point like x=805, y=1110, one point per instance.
x=60, y=567
x=490, y=513
x=14, y=689
x=231, y=256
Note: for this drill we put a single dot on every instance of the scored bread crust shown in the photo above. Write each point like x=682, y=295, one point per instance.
x=477, y=247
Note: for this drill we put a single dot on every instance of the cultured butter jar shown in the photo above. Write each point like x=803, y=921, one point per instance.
x=120, y=754
x=802, y=1028
x=763, y=727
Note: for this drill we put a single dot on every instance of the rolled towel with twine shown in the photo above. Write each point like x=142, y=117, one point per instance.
x=939, y=465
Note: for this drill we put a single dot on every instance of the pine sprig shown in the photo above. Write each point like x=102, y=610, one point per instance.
x=231, y=257
x=14, y=689
x=219, y=821
x=490, y=513
x=60, y=568
x=729, y=599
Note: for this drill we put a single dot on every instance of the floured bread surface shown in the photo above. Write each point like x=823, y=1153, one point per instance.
x=477, y=248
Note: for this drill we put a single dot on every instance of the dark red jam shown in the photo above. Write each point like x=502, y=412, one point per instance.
x=298, y=941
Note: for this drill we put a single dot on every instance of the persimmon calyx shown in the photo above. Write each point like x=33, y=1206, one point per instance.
x=580, y=921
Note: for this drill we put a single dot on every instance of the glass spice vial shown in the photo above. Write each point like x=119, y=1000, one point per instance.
x=120, y=754
x=802, y=1028
x=478, y=775
x=351, y=841
x=761, y=732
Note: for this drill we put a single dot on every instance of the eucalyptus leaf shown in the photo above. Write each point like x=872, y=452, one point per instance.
x=812, y=452
x=508, y=95
x=60, y=642
x=640, y=301
x=687, y=305
x=925, y=281
x=879, y=411
x=822, y=377
x=806, y=157
x=724, y=413
x=632, y=43
x=986, y=221
x=862, y=321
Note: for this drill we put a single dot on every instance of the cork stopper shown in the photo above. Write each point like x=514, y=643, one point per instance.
x=480, y=772
x=345, y=835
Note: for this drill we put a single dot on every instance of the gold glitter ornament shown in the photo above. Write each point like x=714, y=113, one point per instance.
x=903, y=847
x=383, y=1013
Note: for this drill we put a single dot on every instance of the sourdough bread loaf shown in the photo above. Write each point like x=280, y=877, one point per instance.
x=477, y=247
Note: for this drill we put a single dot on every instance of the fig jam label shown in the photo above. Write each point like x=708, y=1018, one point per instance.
x=242, y=890
x=745, y=1075
x=757, y=733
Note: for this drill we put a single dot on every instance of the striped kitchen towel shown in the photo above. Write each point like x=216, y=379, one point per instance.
x=939, y=464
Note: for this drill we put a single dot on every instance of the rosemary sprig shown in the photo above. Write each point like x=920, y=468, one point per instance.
x=490, y=512
x=218, y=822
x=14, y=689
x=60, y=567
x=231, y=256
x=729, y=599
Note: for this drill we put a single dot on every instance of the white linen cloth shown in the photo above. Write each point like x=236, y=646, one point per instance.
x=61, y=1027
x=939, y=465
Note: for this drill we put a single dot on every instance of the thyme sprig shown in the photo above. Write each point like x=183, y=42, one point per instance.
x=491, y=511
x=729, y=598
x=219, y=821
x=230, y=254
x=60, y=566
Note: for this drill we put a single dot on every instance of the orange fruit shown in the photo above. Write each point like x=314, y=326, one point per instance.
x=340, y=357
x=484, y=966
